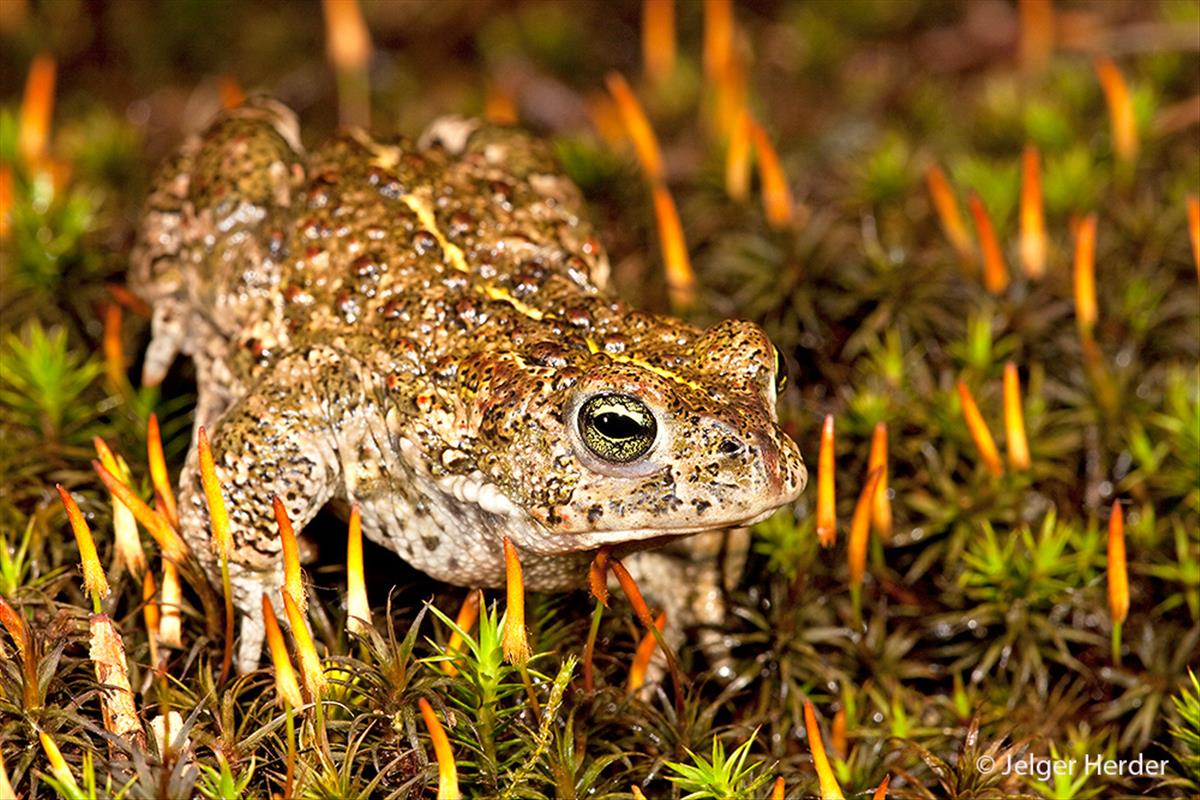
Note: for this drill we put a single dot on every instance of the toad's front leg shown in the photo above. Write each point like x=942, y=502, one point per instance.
x=280, y=440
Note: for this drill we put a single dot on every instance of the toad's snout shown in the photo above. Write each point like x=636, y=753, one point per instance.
x=781, y=466
x=761, y=458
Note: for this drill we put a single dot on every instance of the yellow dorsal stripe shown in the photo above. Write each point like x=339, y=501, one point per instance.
x=454, y=253
x=637, y=362
x=498, y=293
x=456, y=259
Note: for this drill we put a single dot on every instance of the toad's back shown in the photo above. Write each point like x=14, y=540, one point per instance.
x=251, y=247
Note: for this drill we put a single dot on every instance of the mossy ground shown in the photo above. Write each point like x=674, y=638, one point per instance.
x=983, y=625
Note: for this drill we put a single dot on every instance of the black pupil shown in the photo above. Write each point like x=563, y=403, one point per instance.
x=617, y=426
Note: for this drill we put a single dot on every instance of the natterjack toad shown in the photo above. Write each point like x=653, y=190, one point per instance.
x=427, y=331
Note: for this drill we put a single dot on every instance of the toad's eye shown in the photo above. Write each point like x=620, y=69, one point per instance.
x=617, y=427
x=781, y=374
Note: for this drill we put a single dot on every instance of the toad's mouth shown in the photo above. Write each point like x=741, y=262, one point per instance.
x=472, y=489
x=589, y=538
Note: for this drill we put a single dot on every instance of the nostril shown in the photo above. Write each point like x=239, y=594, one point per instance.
x=731, y=447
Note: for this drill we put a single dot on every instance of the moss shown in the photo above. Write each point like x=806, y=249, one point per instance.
x=983, y=628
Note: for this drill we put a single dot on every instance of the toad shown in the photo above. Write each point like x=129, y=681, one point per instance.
x=427, y=330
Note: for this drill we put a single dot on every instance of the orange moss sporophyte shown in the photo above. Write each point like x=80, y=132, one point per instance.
x=1193, y=216
x=949, y=215
x=681, y=280
x=1014, y=420
x=129, y=301
x=6, y=201
x=114, y=348
x=598, y=585
x=158, y=471
x=826, y=496
x=468, y=613
x=1123, y=123
x=94, y=580
x=230, y=90
x=293, y=579
x=1118, y=577
x=778, y=204
x=222, y=541
x=643, y=654
x=170, y=623
x=722, y=66
x=515, y=639
x=737, y=159
x=58, y=765
x=1033, y=218
x=287, y=687
x=127, y=545
x=598, y=576
x=827, y=781
x=1035, y=41
x=150, y=608
x=778, y=789
x=348, y=45
x=995, y=272
x=860, y=527
x=347, y=40
x=718, y=36
x=14, y=623
x=151, y=614
x=658, y=38
x=729, y=96
x=1086, y=312
x=499, y=104
x=358, y=607
x=172, y=545
x=881, y=789
x=637, y=127
x=634, y=595
x=222, y=535
x=18, y=628
x=980, y=433
x=605, y=117
x=877, y=460
x=447, y=769
x=632, y=592
x=109, y=459
x=311, y=672
x=37, y=108
x=837, y=733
